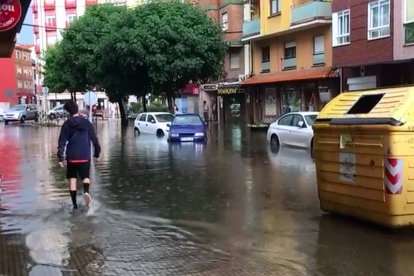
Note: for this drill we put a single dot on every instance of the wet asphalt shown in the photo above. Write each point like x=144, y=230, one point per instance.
x=232, y=206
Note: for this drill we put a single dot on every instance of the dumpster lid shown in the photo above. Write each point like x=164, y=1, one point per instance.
x=381, y=106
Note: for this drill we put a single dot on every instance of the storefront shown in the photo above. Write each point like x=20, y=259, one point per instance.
x=188, y=99
x=272, y=95
x=232, y=104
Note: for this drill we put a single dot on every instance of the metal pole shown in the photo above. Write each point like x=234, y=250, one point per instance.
x=90, y=107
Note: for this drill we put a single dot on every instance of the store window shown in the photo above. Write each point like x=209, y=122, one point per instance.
x=290, y=100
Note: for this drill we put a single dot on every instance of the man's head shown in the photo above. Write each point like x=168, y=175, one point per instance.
x=71, y=107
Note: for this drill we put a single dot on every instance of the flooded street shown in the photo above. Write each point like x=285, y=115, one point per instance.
x=230, y=207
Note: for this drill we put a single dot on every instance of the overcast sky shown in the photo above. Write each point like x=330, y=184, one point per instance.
x=26, y=33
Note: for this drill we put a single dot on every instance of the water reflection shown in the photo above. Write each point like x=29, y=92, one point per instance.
x=233, y=206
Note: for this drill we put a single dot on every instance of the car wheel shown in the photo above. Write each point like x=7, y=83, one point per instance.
x=6, y=123
x=136, y=132
x=23, y=119
x=312, y=150
x=274, y=142
x=160, y=133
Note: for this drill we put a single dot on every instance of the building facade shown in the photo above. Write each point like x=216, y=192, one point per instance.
x=224, y=98
x=373, y=43
x=25, y=75
x=290, y=58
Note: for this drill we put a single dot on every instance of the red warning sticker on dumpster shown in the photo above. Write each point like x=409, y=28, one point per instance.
x=393, y=175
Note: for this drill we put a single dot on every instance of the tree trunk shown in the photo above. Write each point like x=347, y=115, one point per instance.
x=124, y=119
x=170, y=101
x=144, y=103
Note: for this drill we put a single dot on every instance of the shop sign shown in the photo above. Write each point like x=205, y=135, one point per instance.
x=230, y=90
x=209, y=87
x=10, y=14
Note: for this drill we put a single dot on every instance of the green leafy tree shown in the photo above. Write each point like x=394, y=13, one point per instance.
x=173, y=43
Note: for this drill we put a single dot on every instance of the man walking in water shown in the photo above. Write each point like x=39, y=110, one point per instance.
x=74, y=151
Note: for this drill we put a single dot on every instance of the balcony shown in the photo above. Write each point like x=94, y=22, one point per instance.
x=49, y=5
x=318, y=59
x=251, y=28
x=91, y=2
x=70, y=4
x=310, y=11
x=289, y=63
x=34, y=7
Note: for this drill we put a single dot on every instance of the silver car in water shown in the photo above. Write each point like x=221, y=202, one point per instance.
x=21, y=113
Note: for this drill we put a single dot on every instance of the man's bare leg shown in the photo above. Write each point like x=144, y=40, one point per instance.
x=72, y=188
x=88, y=198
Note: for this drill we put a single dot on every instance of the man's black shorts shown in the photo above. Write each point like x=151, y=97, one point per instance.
x=75, y=170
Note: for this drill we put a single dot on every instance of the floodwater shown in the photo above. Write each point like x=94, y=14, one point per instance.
x=230, y=207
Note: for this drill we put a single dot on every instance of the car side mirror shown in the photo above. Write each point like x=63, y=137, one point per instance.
x=168, y=125
x=206, y=123
x=27, y=108
x=152, y=121
x=301, y=124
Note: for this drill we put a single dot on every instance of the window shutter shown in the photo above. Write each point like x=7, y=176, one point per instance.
x=335, y=29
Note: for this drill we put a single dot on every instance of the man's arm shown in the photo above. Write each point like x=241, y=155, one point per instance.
x=95, y=142
x=63, y=140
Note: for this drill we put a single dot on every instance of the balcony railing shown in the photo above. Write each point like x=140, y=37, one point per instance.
x=70, y=4
x=91, y=2
x=266, y=66
x=51, y=27
x=310, y=11
x=49, y=4
x=318, y=59
x=251, y=28
x=289, y=63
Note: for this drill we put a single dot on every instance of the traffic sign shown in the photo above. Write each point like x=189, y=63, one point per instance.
x=90, y=98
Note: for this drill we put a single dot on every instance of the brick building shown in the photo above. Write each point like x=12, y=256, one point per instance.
x=24, y=74
x=372, y=44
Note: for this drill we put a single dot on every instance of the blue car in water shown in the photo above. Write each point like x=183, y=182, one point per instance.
x=187, y=128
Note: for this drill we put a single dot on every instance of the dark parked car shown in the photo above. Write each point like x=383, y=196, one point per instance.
x=187, y=128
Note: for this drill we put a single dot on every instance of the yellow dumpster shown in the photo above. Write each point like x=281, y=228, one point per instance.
x=364, y=155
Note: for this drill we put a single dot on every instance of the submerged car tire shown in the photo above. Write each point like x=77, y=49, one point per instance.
x=274, y=141
x=136, y=132
x=160, y=133
x=23, y=119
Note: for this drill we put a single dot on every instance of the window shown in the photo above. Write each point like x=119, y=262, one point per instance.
x=274, y=7
x=290, y=50
x=266, y=59
x=150, y=118
x=18, y=54
x=225, y=21
x=378, y=19
x=51, y=39
x=143, y=117
x=318, y=45
x=296, y=120
x=286, y=121
x=51, y=21
x=234, y=59
x=19, y=84
x=71, y=18
x=19, y=70
x=409, y=21
x=341, y=27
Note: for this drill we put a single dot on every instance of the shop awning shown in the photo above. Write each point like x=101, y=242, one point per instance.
x=288, y=76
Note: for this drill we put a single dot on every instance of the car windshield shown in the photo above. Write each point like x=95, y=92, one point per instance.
x=187, y=121
x=165, y=118
x=18, y=107
x=310, y=119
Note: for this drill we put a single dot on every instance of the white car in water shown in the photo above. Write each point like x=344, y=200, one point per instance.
x=293, y=129
x=157, y=123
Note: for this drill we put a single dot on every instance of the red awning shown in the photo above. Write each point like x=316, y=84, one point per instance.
x=297, y=75
x=191, y=89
